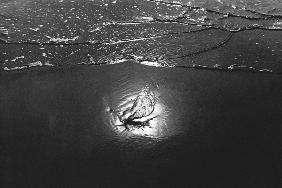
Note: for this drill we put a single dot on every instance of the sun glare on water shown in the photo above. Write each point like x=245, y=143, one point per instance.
x=133, y=116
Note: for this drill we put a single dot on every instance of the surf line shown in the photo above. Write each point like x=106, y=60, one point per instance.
x=216, y=46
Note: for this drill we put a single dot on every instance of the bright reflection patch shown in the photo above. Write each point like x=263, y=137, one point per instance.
x=132, y=115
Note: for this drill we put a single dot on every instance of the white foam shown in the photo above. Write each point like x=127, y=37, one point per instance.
x=51, y=39
x=35, y=64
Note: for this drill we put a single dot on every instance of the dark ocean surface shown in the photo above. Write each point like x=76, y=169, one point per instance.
x=216, y=129
x=97, y=93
